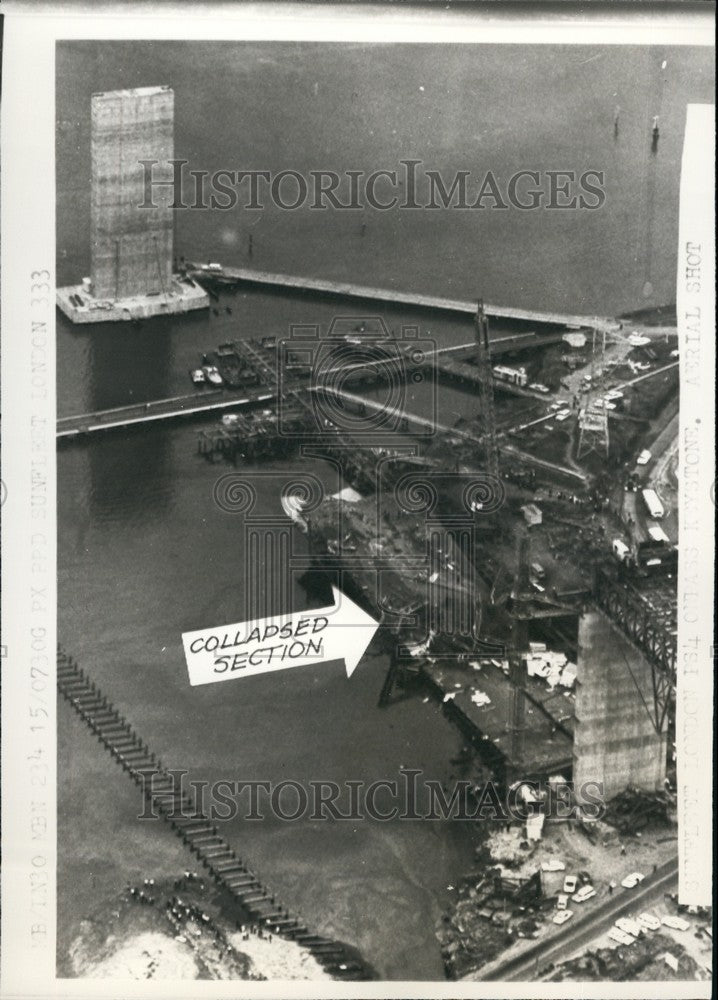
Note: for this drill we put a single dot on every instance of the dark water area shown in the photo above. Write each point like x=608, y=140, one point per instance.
x=144, y=553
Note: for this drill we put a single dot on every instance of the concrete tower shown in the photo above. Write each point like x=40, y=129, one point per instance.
x=131, y=246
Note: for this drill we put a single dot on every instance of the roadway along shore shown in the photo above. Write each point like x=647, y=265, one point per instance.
x=575, y=935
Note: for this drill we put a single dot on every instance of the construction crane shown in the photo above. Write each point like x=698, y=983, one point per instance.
x=486, y=391
x=593, y=419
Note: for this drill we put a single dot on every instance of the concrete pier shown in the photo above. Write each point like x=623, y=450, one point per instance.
x=615, y=737
x=218, y=275
x=182, y=296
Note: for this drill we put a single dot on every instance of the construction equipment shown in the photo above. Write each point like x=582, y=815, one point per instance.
x=593, y=419
x=486, y=391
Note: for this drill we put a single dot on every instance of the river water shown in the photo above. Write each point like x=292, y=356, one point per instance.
x=143, y=551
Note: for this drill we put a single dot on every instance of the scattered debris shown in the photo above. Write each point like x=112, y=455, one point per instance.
x=633, y=810
x=643, y=959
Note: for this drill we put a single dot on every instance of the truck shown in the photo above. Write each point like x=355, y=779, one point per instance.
x=653, y=504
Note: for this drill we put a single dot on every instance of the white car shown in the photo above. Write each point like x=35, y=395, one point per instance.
x=562, y=916
x=648, y=921
x=561, y=901
x=632, y=880
x=538, y=387
x=584, y=893
x=608, y=404
x=677, y=923
x=644, y=458
x=570, y=884
x=553, y=865
x=563, y=415
x=614, y=394
x=629, y=926
x=212, y=374
x=618, y=935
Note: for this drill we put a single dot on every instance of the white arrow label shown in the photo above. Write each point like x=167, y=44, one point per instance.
x=342, y=631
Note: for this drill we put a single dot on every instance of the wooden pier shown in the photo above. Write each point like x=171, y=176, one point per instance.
x=197, y=831
x=347, y=290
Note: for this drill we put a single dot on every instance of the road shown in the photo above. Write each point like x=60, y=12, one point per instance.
x=579, y=932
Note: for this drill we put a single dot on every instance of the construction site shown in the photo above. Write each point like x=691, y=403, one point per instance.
x=536, y=576
x=504, y=506
x=525, y=585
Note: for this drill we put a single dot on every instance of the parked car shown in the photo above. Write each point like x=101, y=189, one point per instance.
x=629, y=926
x=570, y=884
x=648, y=921
x=632, y=880
x=618, y=935
x=553, y=865
x=584, y=893
x=677, y=923
x=644, y=458
x=561, y=901
x=212, y=374
x=562, y=916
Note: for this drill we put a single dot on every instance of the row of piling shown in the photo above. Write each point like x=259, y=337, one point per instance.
x=195, y=828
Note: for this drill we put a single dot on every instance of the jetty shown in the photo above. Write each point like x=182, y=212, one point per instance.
x=215, y=274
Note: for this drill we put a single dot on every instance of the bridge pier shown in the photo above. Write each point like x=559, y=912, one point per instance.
x=619, y=736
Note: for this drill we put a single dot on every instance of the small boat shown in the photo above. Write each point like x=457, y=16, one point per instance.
x=198, y=376
x=212, y=375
